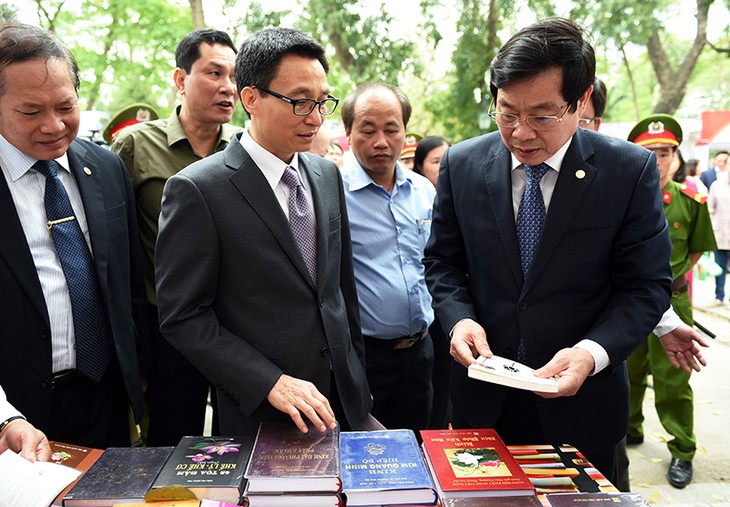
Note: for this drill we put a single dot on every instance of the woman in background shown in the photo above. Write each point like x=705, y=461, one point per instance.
x=427, y=159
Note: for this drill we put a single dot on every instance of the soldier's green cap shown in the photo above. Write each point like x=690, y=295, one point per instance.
x=656, y=129
x=130, y=115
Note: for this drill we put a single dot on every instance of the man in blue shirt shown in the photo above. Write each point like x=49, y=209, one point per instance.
x=390, y=221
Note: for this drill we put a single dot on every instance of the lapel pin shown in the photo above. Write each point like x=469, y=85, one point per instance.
x=87, y=171
x=580, y=174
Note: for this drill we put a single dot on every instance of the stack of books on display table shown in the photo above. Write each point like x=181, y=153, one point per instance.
x=384, y=468
x=283, y=467
x=289, y=468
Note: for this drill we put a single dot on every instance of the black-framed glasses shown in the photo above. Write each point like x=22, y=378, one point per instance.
x=584, y=122
x=304, y=107
x=510, y=121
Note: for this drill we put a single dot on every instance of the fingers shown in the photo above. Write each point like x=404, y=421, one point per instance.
x=468, y=340
x=302, y=401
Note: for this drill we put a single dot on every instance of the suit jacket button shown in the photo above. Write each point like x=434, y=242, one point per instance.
x=324, y=351
x=321, y=303
x=45, y=335
x=45, y=385
x=523, y=305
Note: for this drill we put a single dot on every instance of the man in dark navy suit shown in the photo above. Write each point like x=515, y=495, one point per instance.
x=71, y=291
x=548, y=246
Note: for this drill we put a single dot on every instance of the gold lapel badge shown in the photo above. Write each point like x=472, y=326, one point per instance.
x=580, y=174
x=87, y=171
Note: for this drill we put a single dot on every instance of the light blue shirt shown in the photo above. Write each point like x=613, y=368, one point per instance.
x=389, y=233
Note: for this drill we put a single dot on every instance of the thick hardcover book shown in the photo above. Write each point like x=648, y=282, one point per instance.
x=473, y=463
x=75, y=456
x=285, y=460
x=295, y=500
x=210, y=467
x=121, y=474
x=597, y=500
x=506, y=372
x=384, y=467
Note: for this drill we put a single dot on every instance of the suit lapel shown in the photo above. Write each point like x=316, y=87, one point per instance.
x=498, y=178
x=253, y=186
x=88, y=178
x=14, y=251
x=574, y=180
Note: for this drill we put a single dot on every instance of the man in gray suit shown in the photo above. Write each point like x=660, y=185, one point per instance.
x=254, y=272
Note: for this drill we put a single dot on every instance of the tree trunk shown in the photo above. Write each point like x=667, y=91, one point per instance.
x=196, y=8
x=673, y=83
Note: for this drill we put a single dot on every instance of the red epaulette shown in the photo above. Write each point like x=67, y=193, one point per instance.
x=693, y=194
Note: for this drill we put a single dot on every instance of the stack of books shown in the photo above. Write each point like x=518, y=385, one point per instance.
x=289, y=468
x=384, y=467
x=474, y=463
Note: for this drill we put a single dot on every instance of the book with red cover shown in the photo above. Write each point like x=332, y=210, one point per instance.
x=285, y=460
x=473, y=463
x=75, y=456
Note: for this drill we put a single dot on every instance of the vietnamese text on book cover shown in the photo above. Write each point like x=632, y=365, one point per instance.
x=285, y=460
x=597, y=500
x=380, y=467
x=210, y=467
x=473, y=462
x=120, y=474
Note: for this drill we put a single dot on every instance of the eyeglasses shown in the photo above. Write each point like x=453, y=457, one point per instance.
x=584, y=122
x=304, y=107
x=510, y=121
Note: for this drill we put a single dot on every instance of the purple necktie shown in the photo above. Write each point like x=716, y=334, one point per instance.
x=301, y=220
x=91, y=322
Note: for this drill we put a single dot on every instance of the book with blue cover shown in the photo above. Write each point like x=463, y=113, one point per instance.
x=384, y=467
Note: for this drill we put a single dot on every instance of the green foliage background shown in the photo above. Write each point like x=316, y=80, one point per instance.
x=126, y=50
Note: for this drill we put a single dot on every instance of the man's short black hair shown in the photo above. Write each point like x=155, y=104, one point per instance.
x=348, y=105
x=187, y=51
x=598, y=97
x=547, y=44
x=260, y=55
x=22, y=43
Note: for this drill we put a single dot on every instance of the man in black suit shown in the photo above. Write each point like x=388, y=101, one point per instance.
x=71, y=292
x=542, y=251
x=255, y=282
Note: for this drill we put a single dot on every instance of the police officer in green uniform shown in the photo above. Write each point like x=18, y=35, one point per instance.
x=691, y=232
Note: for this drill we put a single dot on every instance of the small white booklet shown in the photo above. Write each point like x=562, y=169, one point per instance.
x=506, y=372
x=29, y=484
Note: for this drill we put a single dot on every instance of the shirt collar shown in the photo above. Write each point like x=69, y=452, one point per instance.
x=358, y=179
x=175, y=132
x=555, y=162
x=16, y=163
x=271, y=166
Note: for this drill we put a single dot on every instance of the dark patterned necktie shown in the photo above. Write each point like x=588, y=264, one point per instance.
x=530, y=220
x=91, y=325
x=301, y=220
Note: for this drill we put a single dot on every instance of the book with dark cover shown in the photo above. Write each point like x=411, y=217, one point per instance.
x=285, y=460
x=75, y=456
x=121, y=474
x=473, y=463
x=384, y=467
x=494, y=501
x=597, y=500
x=562, y=469
x=210, y=467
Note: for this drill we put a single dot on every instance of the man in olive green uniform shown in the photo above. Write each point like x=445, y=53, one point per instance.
x=153, y=151
x=691, y=232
